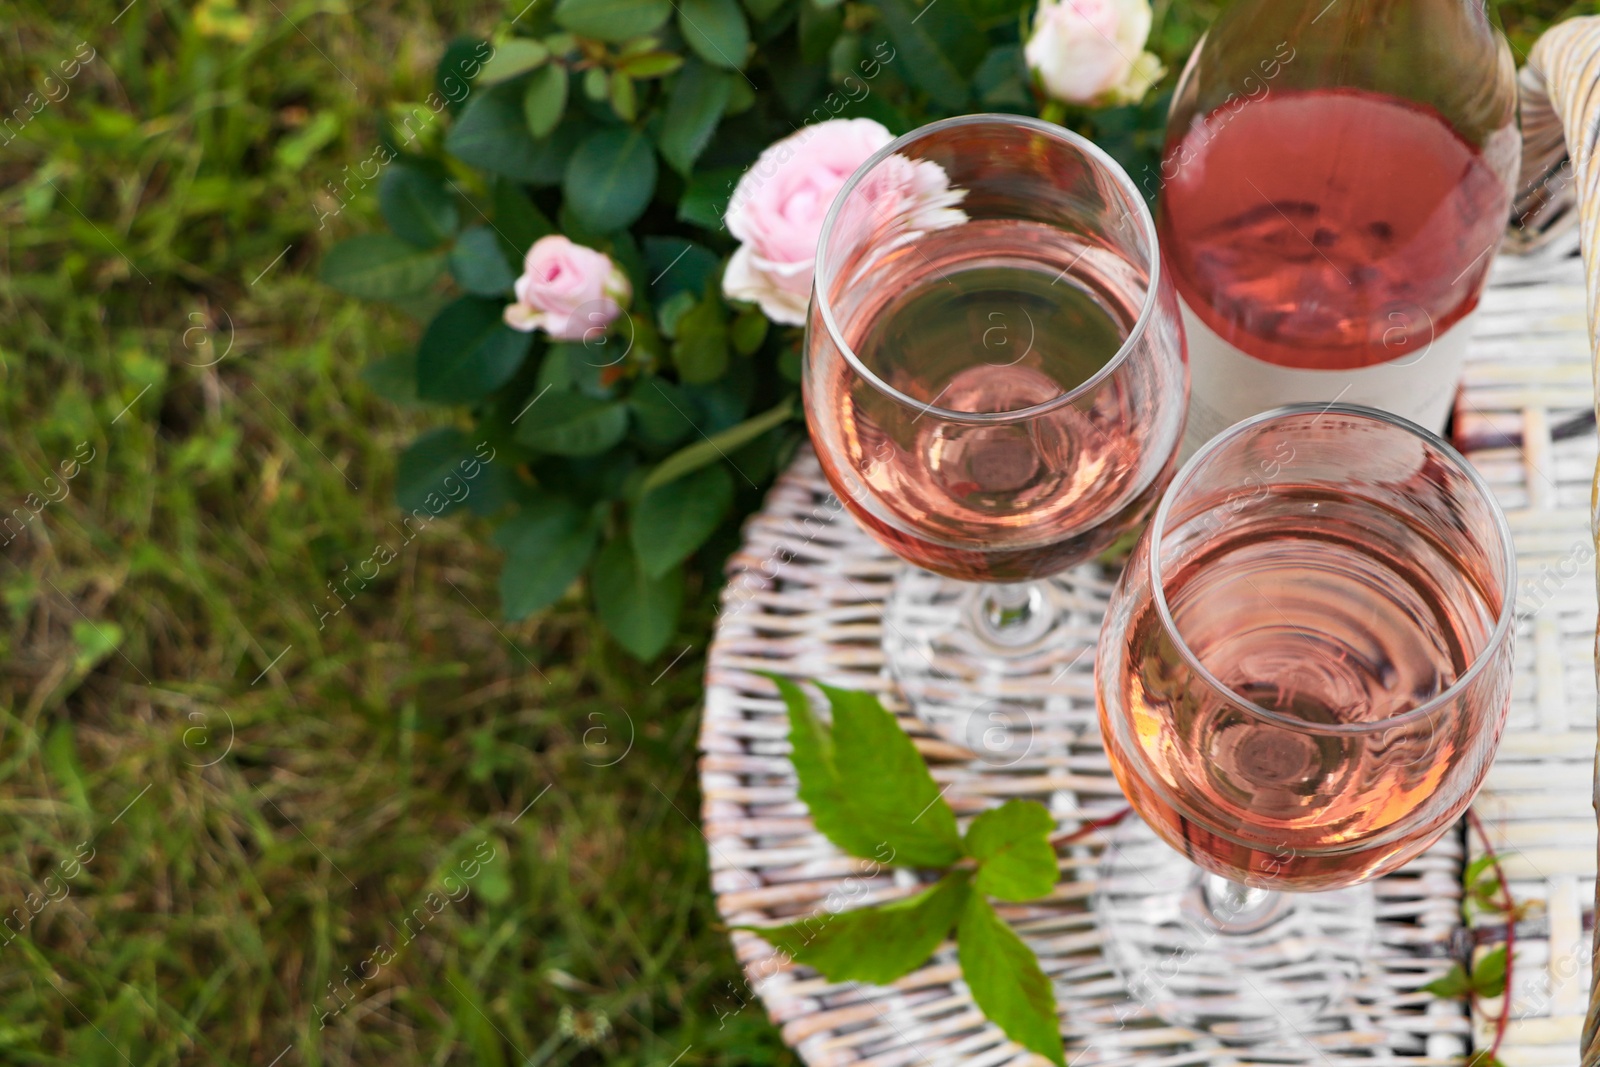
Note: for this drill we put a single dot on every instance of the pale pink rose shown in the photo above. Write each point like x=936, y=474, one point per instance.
x=567, y=290
x=779, y=205
x=1092, y=51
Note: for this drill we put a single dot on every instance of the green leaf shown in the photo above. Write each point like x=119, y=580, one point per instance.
x=693, y=457
x=671, y=522
x=491, y=134
x=1006, y=980
x=516, y=221
x=545, y=100
x=417, y=206
x=695, y=103
x=611, y=20
x=1489, y=973
x=820, y=790
x=624, y=100
x=425, y=466
x=380, y=266
x=716, y=30
x=660, y=413
x=819, y=28
x=701, y=350
x=548, y=543
x=516, y=56
x=468, y=351
x=610, y=178
x=650, y=64
x=478, y=264
x=706, y=196
x=1012, y=845
x=939, y=47
x=641, y=612
x=761, y=10
x=886, y=783
x=572, y=424
x=877, y=944
x=676, y=264
x=748, y=331
x=1455, y=984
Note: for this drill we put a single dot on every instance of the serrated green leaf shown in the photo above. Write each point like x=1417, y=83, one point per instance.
x=640, y=612
x=1006, y=980
x=1489, y=973
x=417, y=206
x=491, y=134
x=468, y=351
x=1012, y=845
x=671, y=522
x=548, y=543
x=876, y=944
x=512, y=58
x=886, y=782
x=380, y=266
x=693, y=457
x=478, y=264
x=695, y=103
x=610, y=178
x=1453, y=985
x=544, y=101
x=611, y=20
x=431, y=466
x=716, y=30
x=572, y=424
x=820, y=791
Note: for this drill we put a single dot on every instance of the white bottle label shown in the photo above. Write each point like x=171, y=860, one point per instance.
x=1228, y=385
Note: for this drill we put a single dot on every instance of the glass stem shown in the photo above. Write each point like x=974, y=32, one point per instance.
x=1229, y=907
x=1013, y=615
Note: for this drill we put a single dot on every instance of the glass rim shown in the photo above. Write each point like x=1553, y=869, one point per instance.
x=1497, y=635
x=1087, y=147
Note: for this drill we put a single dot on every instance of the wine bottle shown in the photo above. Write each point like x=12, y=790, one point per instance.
x=1336, y=180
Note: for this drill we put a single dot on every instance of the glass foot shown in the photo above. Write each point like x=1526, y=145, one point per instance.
x=989, y=667
x=1241, y=964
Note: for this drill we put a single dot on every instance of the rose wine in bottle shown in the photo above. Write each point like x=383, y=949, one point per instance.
x=1336, y=180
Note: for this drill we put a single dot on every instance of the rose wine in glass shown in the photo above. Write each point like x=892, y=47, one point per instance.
x=1302, y=678
x=995, y=384
x=1335, y=184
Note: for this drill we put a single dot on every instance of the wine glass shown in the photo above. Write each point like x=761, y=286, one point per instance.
x=1302, y=678
x=995, y=382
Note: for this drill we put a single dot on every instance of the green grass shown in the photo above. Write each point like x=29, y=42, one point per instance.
x=269, y=792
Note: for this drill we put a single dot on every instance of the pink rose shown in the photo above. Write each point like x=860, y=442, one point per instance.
x=779, y=205
x=567, y=290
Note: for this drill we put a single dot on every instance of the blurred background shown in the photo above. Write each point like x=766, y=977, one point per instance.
x=236, y=826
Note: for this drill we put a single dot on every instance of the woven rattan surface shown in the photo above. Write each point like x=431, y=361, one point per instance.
x=806, y=597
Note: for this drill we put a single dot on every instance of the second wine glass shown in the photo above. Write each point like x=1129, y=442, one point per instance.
x=995, y=382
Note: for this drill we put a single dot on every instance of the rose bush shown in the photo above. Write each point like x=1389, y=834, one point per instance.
x=660, y=170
